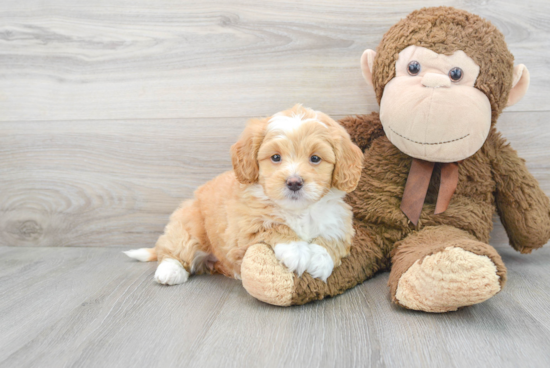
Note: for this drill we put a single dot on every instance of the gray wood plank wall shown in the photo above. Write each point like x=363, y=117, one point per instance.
x=112, y=112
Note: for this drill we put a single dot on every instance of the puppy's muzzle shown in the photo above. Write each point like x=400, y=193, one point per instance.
x=294, y=183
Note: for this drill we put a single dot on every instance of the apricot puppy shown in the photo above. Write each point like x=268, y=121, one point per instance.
x=290, y=174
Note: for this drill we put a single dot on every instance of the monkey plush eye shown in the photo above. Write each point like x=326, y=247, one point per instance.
x=413, y=68
x=276, y=158
x=315, y=159
x=456, y=74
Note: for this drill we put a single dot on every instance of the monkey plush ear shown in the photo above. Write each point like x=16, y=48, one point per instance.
x=244, y=153
x=519, y=85
x=367, y=61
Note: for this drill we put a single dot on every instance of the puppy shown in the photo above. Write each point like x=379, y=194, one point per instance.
x=290, y=175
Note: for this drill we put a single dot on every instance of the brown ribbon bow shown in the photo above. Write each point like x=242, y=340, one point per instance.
x=417, y=187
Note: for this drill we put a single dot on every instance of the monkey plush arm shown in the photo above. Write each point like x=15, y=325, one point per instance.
x=523, y=207
x=363, y=129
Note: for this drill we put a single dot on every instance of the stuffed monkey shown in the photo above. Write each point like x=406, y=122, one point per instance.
x=435, y=171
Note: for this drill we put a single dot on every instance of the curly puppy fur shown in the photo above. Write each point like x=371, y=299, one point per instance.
x=277, y=194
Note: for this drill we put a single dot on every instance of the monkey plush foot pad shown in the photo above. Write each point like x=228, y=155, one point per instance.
x=265, y=278
x=448, y=280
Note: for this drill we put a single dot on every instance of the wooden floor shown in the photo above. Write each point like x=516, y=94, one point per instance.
x=93, y=307
x=112, y=112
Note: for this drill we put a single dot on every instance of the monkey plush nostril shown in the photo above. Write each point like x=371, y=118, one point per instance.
x=435, y=80
x=295, y=184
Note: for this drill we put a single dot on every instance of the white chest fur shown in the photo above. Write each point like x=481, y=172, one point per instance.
x=326, y=218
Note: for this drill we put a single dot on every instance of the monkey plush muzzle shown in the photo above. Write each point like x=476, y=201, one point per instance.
x=429, y=116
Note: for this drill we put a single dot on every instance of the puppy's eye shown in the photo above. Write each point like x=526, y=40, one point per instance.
x=315, y=159
x=276, y=158
x=414, y=67
x=456, y=74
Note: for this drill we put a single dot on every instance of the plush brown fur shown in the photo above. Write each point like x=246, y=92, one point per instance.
x=434, y=239
x=493, y=180
x=445, y=30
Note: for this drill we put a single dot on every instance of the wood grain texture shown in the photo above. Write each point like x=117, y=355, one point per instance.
x=92, y=307
x=115, y=183
x=104, y=183
x=111, y=112
x=67, y=60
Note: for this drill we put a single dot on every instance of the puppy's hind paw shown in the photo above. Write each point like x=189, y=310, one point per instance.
x=321, y=264
x=294, y=255
x=171, y=272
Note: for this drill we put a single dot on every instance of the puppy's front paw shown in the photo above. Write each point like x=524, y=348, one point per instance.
x=321, y=264
x=171, y=272
x=294, y=255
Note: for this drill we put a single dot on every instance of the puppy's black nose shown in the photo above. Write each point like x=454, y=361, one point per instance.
x=294, y=184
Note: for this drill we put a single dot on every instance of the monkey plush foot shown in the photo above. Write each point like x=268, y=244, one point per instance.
x=441, y=268
x=265, y=278
x=448, y=280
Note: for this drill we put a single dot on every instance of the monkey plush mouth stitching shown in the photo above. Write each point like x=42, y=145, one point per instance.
x=426, y=143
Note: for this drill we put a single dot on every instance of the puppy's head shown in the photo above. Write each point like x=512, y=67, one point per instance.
x=297, y=156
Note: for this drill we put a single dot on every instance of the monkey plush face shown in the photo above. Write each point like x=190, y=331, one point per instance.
x=442, y=76
x=431, y=110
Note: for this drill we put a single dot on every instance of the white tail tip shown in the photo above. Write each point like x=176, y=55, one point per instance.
x=143, y=254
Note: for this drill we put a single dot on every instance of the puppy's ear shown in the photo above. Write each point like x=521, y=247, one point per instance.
x=349, y=162
x=244, y=153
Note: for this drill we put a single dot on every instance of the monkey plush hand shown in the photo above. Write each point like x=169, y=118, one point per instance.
x=435, y=171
